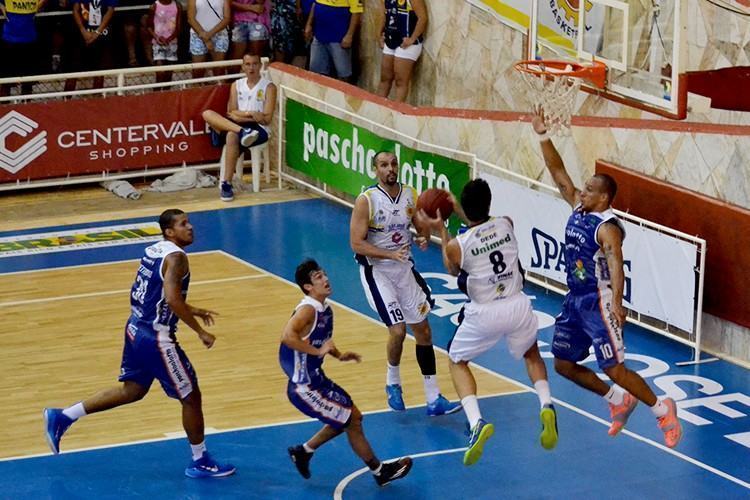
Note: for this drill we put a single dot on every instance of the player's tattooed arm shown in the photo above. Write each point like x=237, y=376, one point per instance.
x=553, y=161
x=610, y=239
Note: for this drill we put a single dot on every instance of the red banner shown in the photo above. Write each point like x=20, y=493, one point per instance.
x=114, y=134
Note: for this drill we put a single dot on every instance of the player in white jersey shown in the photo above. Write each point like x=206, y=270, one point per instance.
x=381, y=239
x=157, y=302
x=252, y=101
x=485, y=259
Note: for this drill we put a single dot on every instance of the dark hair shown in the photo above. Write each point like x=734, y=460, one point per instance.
x=303, y=272
x=252, y=53
x=609, y=184
x=382, y=151
x=166, y=219
x=475, y=200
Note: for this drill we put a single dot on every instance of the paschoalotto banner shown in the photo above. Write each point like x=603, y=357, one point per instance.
x=341, y=154
x=558, y=19
x=659, y=269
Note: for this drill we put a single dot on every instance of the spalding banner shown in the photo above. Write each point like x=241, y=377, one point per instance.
x=91, y=136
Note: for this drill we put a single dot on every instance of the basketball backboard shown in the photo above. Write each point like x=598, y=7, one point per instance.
x=641, y=41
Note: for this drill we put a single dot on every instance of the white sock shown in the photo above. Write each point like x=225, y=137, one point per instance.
x=431, y=389
x=471, y=407
x=393, y=375
x=659, y=409
x=614, y=396
x=542, y=391
x=307, y=448
x=75, y=412
x=198, y=449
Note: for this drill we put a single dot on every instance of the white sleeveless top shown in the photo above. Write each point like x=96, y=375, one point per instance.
x=489, y=261
x=252, y=99
x=390, y=220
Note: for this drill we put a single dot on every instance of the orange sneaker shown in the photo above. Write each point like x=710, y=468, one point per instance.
x=620, y=413
x=670, y=424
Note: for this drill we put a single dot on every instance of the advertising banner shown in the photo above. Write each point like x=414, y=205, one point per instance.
x=91, y=136
x=341, y=154
x=659, y=269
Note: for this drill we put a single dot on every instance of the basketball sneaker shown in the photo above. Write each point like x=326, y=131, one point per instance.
x=390, y=471
x=442, y=406
x=670, y=424
x=395, y=397
x=480, y=433
x=227, y=193
x=548, y=417
x=206, y=466
x=55, y=425
x=248, y=137
x=301, y=459
x=620, y=413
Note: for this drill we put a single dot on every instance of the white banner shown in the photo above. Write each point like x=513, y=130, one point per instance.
x=659, y=269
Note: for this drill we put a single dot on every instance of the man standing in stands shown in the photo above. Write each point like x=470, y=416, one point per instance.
x=18, y=43
x=252, y=101
x=333, y=25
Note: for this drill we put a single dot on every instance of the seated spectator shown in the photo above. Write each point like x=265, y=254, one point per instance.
x=164, y=27
x=19, y=42
x=251, y=21
x=333, y=25
x=252, y=101
x=93, y=48
x=286, y=30
x=401, y=40
x=208, y=21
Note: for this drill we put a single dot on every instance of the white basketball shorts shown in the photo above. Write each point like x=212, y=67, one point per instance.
x=398, y=294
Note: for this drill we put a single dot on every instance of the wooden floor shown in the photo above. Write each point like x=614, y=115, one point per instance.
x=61, y=334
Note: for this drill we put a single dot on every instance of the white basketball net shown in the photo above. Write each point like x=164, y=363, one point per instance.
x=555, y=94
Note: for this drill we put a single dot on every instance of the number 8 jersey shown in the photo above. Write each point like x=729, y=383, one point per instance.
x=489, y=261
x=148, y=305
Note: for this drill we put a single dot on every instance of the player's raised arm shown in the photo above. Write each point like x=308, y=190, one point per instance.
x=553, y=161
x=300, y=324
x=360, y=223
x=175, y=268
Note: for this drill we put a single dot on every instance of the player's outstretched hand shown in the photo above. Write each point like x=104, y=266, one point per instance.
x=350, y=356
x=206, y=315
x=540, y=127
x=207, y=339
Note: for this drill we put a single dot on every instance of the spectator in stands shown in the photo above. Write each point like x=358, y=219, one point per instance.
x=404, y=22
x=19, y=42
x=251, y=21
x=208, y=21
x=134, y=18
x=93, y=49
x=252, y=101
x=333, y=24
x=286, y=29
x=164, y=27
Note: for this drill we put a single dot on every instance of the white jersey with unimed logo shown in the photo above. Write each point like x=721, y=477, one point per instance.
x=252, y=99
x=489, y=261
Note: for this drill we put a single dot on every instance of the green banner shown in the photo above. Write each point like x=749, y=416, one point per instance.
x=341, y=154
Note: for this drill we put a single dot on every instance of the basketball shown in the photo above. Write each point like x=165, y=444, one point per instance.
x=433, y=199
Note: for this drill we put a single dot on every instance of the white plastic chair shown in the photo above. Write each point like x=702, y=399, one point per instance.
x=259, y=157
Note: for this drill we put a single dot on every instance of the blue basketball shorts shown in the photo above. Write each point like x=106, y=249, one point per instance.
x=325, y=401
x=146, y=357
x=587, y=320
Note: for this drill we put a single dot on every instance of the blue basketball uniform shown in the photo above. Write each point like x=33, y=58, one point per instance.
x=151, y=350
x=309, y=390
x=586, y=318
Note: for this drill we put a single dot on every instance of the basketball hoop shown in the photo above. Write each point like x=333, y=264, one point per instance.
x=553, y=85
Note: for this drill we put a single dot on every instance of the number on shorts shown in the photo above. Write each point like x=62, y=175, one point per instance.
x=498, y=264
x=606, y=351
x=397, y=316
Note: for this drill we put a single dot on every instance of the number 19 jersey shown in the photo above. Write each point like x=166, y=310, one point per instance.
x=489, y=261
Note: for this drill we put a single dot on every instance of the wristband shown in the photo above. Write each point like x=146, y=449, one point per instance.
x=544, y=137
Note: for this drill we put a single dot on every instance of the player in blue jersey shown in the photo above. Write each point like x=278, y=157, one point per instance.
x=592, y=313
x=157, y=302
x=306, y=340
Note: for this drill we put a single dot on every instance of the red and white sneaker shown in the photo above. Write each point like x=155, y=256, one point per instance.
x=620, y=413
x=670, y=424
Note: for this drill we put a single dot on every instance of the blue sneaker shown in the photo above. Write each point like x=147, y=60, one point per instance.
x=248, y=137
x=55, y=425
x=205, y=466
x=227, y=193
x=442, y=406
x=395, y=397
x=479, y=435
x=548, y=418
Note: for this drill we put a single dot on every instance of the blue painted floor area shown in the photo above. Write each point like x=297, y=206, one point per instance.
x=587, y=463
